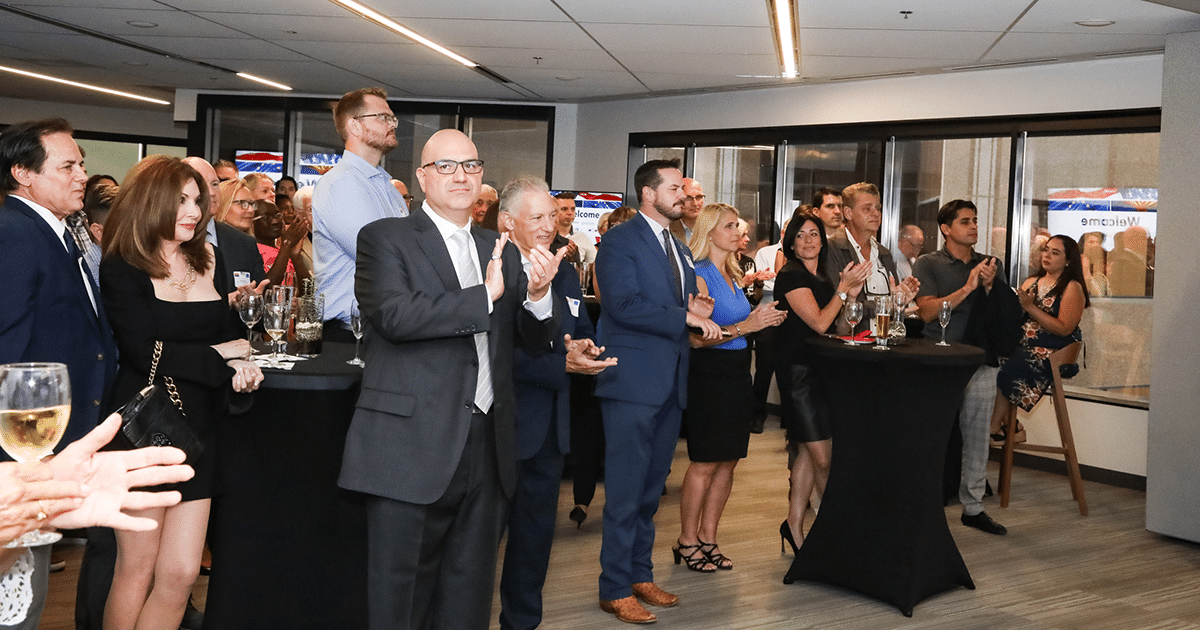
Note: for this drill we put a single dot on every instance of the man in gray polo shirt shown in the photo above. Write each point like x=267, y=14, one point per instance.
x=960, y=275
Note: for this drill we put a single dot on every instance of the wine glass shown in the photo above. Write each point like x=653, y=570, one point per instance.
x=35, y=405
x=854, y=314
x=356, y=328
x=250, y=308
x=275, y=319
x=944, y=320
x=883, y=321
x=901, y=302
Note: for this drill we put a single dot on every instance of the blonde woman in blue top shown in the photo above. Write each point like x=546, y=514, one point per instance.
x=720, y=394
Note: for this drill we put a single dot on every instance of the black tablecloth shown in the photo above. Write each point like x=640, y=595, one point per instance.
x=882, y=527
x=289, y=546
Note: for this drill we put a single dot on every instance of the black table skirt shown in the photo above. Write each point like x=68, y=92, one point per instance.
x=882, y=528
x=288, y=545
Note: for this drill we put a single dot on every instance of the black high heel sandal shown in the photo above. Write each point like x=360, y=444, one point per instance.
x=716, y=557
x=579, y=515
x=695, y=560
x=785, y=533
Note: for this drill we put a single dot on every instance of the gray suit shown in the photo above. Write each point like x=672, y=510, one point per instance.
x=838, y=254
x=436, y=471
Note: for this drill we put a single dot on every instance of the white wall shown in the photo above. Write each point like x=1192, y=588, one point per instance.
x=1109, y=437
x=1173, y=479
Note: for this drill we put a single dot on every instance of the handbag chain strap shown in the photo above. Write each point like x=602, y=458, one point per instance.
x=170, y=382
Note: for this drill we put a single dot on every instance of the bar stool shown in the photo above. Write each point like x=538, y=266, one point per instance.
x=1064, y=356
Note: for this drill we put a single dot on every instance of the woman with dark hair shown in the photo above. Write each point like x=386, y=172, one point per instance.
x=1053, y=299
x=161, y=282
x=720, y=394
x=812, y=305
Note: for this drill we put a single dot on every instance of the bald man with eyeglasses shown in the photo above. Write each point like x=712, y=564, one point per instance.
x=352, y=194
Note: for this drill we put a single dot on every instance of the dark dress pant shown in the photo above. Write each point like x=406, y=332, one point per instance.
x=530, y=534
x=587, y=438
x=641, y=442
x=95, y=578
x=433, y=567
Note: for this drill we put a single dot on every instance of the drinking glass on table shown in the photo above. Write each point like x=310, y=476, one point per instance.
x=883, y=321
x=35, y=405
x=250, y=308
x=275, y=319
x=854, y=314
x=900, y=302
x=356, y=328
x=944, y=320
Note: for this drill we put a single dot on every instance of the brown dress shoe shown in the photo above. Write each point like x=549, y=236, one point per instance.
x=651, y=594
x=628, y=609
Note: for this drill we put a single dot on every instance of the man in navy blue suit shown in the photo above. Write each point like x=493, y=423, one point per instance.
x=51, y=309
x=543, y=411
x=648, y=301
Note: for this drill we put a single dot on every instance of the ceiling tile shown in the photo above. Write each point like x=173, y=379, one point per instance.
x=1059, y=16
x=916, y=45
x=115, y=22
x=1016, y=46
x=939, y=15
x=686, y=39
x=695, y=12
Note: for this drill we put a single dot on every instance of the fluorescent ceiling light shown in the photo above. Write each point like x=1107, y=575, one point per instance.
x=84, y=85
x=385, y=22
x=785, y=31
x=264, y=81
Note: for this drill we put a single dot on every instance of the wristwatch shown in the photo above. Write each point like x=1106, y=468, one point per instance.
x=845, y=297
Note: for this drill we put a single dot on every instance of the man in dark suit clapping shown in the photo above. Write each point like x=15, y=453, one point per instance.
x=433, y=437
x=648, y=300
x=543, y=411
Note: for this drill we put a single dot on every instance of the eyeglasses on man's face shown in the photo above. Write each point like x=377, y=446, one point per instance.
x=447, y=167
x=384, y=116
x=694, y=198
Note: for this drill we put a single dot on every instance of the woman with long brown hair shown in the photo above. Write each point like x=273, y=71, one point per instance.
x=161, y=282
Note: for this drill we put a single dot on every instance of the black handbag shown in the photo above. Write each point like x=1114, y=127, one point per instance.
x=155, y=417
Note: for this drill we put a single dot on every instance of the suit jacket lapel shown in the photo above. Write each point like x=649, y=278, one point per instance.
x=59, y=252
x=431, y=242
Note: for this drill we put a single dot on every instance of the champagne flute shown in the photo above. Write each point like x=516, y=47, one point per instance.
x=944, y=320
x=35, y=405
x=854, y=314
x=883, y=321
x=898, y=315
x=276, y=316
x=356, y=328
x=250, y=308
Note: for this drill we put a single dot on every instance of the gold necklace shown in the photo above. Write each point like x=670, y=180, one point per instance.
x=184, y=285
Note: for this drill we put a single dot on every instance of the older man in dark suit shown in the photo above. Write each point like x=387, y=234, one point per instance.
x=433, y=438
x=543, y=411
x=648, y=298
x=50, y=309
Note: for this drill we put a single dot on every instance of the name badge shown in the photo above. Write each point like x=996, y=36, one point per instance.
x=241, y=278
x=573, y=304
x=688, y=260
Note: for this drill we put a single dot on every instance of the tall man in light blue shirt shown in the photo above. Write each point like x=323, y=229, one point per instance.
x=352, y=194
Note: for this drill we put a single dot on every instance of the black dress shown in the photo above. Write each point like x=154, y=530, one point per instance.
x=804, y=412
x=187, y=330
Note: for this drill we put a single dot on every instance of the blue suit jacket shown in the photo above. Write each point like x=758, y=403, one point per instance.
x=540, y=381
x=45, y=314
x=641, y=322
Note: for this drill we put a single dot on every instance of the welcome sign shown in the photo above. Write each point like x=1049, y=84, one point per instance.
x=1077, y=211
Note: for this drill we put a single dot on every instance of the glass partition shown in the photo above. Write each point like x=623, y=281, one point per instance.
x=510, y=148
x=836, y=165
x=743, y=177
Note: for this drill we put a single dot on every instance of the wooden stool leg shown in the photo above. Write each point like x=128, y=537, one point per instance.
x=1068, y=442
x=1006, y=463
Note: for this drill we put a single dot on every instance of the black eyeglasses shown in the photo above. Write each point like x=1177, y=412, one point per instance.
x=384, y=116
x=447, y=167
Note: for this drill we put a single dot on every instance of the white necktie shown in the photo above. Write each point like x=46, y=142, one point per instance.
x=468, y=276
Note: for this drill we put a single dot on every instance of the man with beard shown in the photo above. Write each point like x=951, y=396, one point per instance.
x=693, y=203
x=648, y=302
x=352, y=194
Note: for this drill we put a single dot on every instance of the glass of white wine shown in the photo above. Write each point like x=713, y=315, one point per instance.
x=275, y=319
x=250, y=308
x=356, y=328
x=944, y=320
x=854, y=314
x=35, y=405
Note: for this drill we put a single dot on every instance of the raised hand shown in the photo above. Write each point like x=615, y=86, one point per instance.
x=588, y=348
x=494, y=280
x=700, y=305
x=763, y=316
x=852, y=277
x=542, y=267
x=105, y=480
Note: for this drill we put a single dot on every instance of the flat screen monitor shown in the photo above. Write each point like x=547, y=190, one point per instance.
x=590, y=206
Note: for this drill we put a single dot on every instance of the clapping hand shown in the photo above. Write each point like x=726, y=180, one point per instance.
x=763, y=316
x=700, y=308
x=582, y=356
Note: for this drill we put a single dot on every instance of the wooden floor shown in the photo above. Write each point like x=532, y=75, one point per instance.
x=1055, y=568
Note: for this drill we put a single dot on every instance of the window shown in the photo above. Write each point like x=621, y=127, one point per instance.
x=743, y=177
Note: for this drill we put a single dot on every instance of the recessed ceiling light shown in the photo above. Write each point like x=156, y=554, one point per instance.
x=1095, y=23
x=85, y=86
x=567, y=78
x=142, y=24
